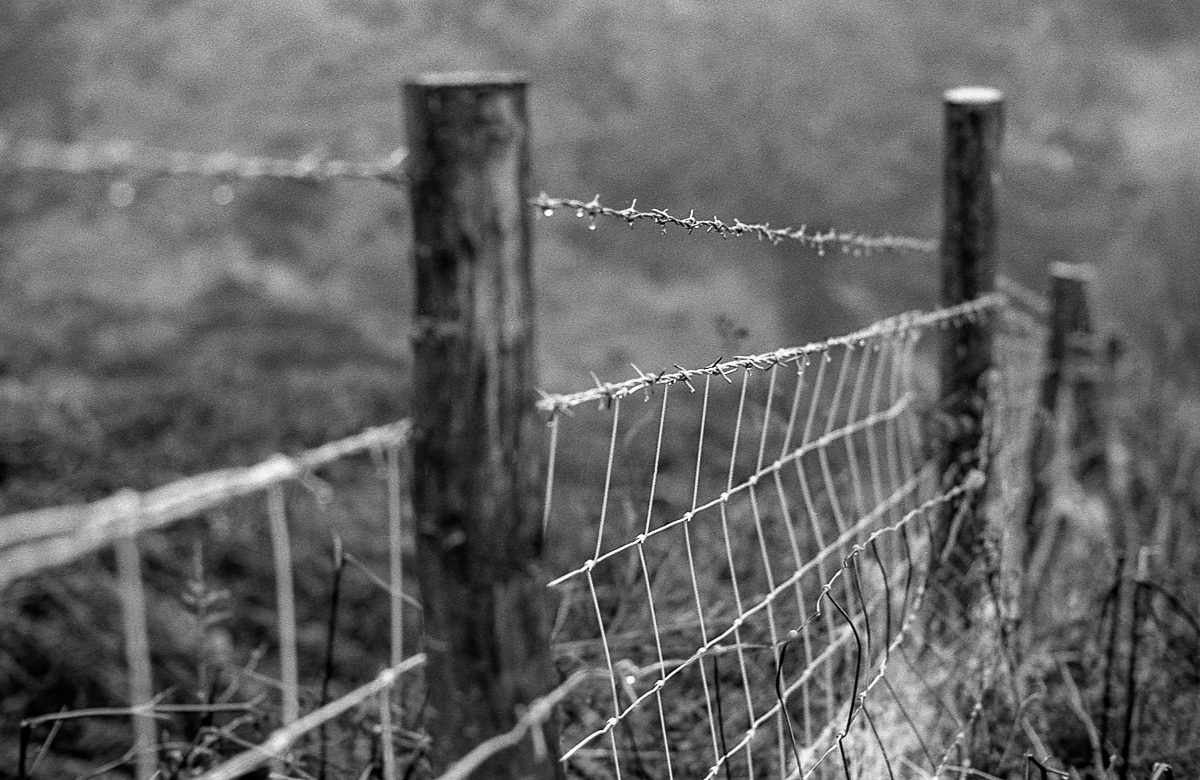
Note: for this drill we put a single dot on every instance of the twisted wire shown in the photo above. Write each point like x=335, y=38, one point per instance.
x=846, y=241
x=909, y=322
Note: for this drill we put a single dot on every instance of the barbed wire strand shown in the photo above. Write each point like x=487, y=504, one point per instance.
x=607, y=392
x=828, y=240
x=121, y=157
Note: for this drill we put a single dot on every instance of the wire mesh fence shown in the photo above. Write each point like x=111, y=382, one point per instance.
x=234, y=697
x=760, y=539
x=749, y=555
x=751, y=593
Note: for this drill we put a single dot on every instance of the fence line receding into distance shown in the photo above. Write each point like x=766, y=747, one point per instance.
x=743, y=553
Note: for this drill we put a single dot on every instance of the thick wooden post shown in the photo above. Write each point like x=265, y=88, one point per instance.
x=974, y=127
x=476, y=436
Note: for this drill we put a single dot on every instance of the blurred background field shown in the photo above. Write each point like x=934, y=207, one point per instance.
x=824, y=113
x=148, y=340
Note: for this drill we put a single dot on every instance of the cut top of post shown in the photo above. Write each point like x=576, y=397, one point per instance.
x=974, y=96
x=1080, y=272
x=470, y=78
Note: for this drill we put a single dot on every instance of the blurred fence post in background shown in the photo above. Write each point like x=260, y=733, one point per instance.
x=1070, y=365
x=477, y=438
x=1073, y=358
x=1068, y=427
x=974, y=130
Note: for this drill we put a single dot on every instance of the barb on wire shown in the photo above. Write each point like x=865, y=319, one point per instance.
x=123, y=157
x=847, y=241
x=606, y=392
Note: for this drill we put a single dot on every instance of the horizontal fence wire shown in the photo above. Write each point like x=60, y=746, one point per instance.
x=763, y=616
x=607, y=392
x=821, y=240
x=41, y=538
x=754, y=591
x=120, y=157
x=281, y=740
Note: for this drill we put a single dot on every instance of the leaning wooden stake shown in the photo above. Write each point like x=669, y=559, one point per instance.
x=477, y=438
x=974, y=119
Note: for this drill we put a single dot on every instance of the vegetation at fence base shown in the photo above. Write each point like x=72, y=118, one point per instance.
x=1119, y=653
x=95, y=398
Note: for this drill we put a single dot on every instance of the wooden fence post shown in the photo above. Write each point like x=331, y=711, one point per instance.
x=477, y=438
x=1071, y=363
x=974, y=124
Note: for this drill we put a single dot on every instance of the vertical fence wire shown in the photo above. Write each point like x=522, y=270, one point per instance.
x=802, y=592
x=658, y=645
x=137, y=647
x=285, y=598
x=395, y=503
x=386, y=743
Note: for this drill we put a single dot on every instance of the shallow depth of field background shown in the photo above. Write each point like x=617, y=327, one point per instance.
x=292, y=301
x=173, y=335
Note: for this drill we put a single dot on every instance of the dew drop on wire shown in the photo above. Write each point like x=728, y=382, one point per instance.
x=222, y=195
x=592, y=225
x=580, y=213
x=121, y=194
x=547, y=212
